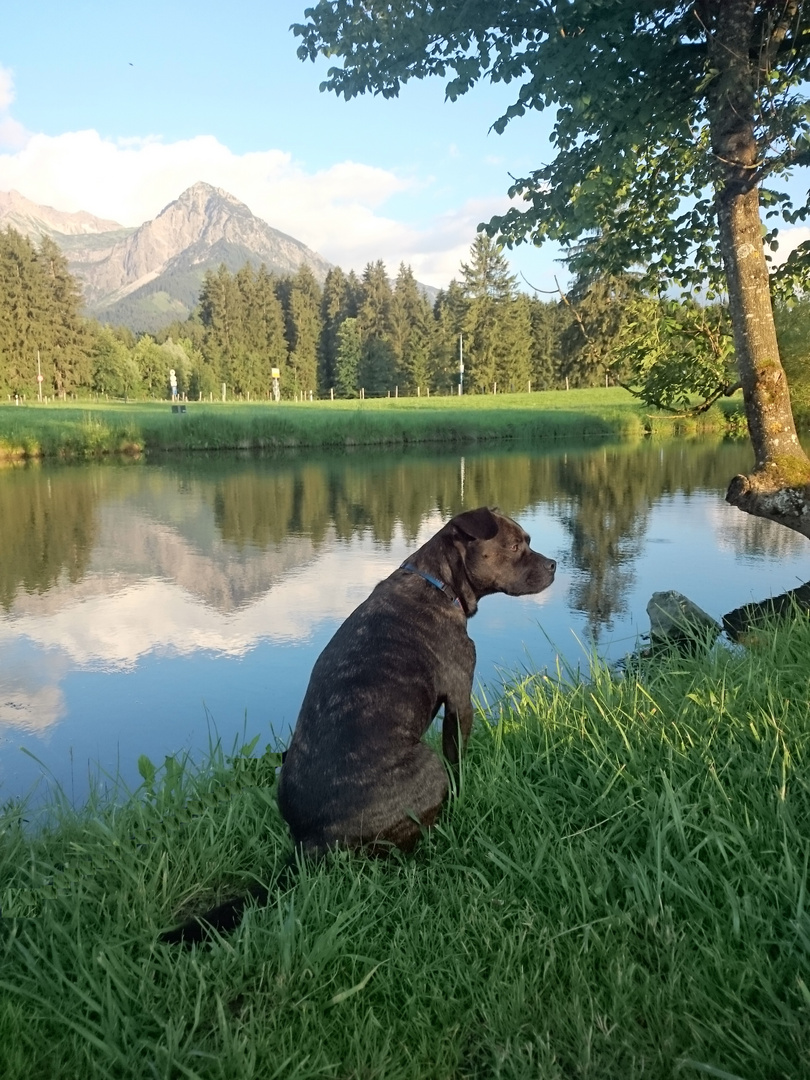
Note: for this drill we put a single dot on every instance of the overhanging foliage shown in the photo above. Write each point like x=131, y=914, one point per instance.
x=630, y=86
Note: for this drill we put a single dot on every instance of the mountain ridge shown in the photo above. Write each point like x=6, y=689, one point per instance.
x=35, y=219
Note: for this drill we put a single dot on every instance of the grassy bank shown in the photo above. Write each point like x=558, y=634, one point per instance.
x=619, y=891
x=70, y=431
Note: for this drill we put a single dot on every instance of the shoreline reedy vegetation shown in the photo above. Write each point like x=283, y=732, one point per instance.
x=77, y=431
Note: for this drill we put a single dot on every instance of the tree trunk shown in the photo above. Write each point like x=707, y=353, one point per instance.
x=779, y=486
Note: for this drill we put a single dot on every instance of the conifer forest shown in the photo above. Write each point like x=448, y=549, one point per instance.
x=352, y=334
x=366, y=335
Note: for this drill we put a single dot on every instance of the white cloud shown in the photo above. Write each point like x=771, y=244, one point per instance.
x=6, y=89
x=114, y=627
x=789, y=239
x=32, y=709
x=339, y=211
x=12, y=134
x=31, y=698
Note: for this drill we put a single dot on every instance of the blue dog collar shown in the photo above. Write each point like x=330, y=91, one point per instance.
x=435, y=582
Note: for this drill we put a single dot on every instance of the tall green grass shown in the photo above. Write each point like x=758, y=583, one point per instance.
x=619, y=891
x=69, y=431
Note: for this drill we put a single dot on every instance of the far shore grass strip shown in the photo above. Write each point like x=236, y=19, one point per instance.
x=618, y=891
x=95, y=429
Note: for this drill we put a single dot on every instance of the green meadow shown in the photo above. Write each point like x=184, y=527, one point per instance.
x=75, y=431
x=619, y=890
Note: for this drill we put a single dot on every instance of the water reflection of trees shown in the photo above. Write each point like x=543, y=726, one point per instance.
x=601, y=494
x=603, y=508
x=604, y=497
x=48, y=528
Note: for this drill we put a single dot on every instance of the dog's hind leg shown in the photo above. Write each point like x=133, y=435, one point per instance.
x=391, y=808
x=413, y=804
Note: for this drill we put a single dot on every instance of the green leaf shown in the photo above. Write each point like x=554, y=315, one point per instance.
x=147, y=771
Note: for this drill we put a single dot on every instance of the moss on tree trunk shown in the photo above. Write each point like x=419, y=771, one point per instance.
x=779, y=486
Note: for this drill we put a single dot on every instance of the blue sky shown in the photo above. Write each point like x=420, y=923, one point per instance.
x=116, y=108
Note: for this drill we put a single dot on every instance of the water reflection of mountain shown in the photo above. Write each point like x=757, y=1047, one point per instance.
x=220, y=574
x=75, y=534
x=226, y=531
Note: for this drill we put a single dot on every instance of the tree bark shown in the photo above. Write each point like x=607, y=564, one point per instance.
x=741, y=620
x=779, y=485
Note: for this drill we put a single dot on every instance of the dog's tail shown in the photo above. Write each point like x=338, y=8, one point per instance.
x=226, y=916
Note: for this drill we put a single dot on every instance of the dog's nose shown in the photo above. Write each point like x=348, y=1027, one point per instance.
x=552, y=566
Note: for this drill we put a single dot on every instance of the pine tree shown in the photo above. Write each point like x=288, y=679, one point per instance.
x=256, y=329
x=480, y=330
x=271, y=338
x=338, y=304
x=497, y=325
x=18, y=301
x=449, y=313
x=411, y=325
x=303, y=321
x=597, y=307
x=218, y=314
x=487, y=273
x=245, y=333
x=374, y=313
x=548, y=319
x=378, y=372
x=513, y=345
x=348, y=357
x=247, y=362
x=64, y=338
x=378, y=367
x=40, y=318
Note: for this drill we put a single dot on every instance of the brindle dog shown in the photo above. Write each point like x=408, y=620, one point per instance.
x=357, y=774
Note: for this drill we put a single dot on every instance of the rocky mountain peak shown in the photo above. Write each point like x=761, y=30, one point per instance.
x=203, y=202
x=202, y=213
x=147, y=276
x=201, y=229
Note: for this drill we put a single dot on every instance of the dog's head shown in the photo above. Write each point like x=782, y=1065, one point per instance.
x=496, y=554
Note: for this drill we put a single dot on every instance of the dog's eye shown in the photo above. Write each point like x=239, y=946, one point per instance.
x=515, y=547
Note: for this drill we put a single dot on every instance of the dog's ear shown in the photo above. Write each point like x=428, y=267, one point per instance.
x=480, y=524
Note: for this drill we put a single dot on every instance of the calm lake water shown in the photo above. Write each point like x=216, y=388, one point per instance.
x=145, y=608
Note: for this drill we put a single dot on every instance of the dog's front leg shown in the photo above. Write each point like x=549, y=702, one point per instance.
x=455, y=732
